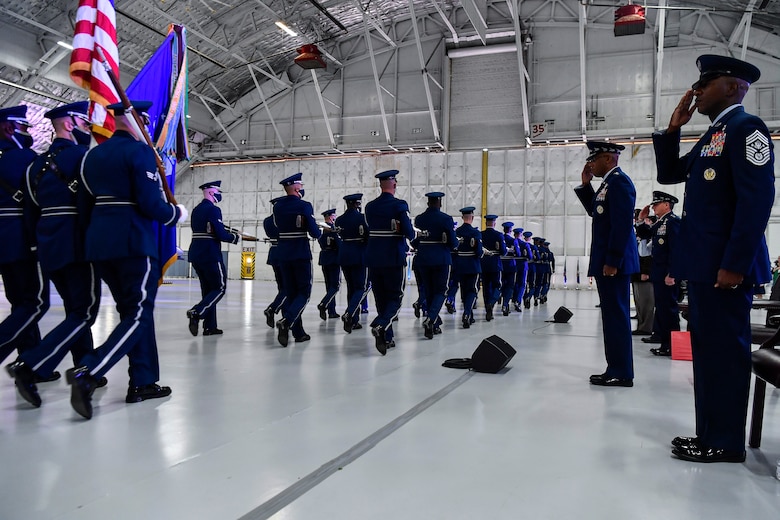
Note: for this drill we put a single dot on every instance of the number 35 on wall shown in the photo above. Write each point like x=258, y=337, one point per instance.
x=538, y=129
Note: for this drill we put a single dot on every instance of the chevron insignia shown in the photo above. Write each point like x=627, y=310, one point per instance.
x=757, y=148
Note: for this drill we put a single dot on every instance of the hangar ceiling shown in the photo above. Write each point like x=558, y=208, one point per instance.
x=231, y=41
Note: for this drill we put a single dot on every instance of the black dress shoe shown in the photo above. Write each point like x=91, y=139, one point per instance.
x=661, y=352
x=390, y=344
x=357, y=326
x=598, y=377
x=212, y=332
x=436, y=330
x=685, y=442
x=24, y=379
x=82, y=385
x=489, y=313
x=322, y=309
x=101, y=382
x=640, y=333
x=301, y=339
x=612, y=381
x=347, y=323
x=518, y=307
x=505, y=310
x=192, y=315
x=417, y=309
x=334, y=315
x=700, y=453
x=269, y=317
x=55, y=376
x=284, y=332
x=651, y=339
x=428, y=328
x=136, y=394
x=450, y=307
x=634, y=317
x=379, y=335
x=527, y=304
x=466, y=322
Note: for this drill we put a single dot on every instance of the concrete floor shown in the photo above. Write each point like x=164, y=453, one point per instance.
x=329, y=429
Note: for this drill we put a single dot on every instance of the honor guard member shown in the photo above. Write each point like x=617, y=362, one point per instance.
x=452, y=286
x=550, y=271
x=522, y=269
x=272, y=237
x=729, y=192
x=51, y=187
x=469, y=266
x=434, y=258
x=330, y=242
x=613, y=255
x=390, y=228
x=420, y=305
x=294, y=217
x=122, y=191
x=509, y=264
x=664, y=236
x=352, y=252
x=542, y=270
x=25, y=287
x=205, y=255
x=533, y=262
x=493, y=249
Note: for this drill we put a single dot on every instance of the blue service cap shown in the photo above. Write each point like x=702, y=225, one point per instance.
x=353, y=197
x=491, y=216
x=712, y=66
x=538, y=239
x=276, y=199
x=528, y=234
x=292, y=179
x=386, y=175
x=597, y=147
x=517, y=230
x=434, y=194
x=78, y=109
x=329, y=212
x=17, y=114
x=139, y=106
x=468, y=210
x=508, y=225
x=660, y=196
x=546, y=243
x=212, y=184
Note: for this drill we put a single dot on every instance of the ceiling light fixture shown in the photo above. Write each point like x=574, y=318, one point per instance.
x=65, y=44
x=283, y=26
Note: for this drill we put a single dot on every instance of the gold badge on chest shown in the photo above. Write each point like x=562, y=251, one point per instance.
x=599, y=209
x=709, y=174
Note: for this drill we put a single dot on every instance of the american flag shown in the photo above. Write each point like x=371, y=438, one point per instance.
x=96, y=27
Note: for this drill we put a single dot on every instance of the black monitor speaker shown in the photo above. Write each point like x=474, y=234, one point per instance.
x=562, y=315
x=492, y=355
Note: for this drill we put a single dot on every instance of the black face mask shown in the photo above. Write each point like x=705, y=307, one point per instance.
x=81, y=137
x=22, y=139
x=217, y=197
x=301, y=192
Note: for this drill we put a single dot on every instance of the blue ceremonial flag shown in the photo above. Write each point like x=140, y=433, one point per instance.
x=163, y=81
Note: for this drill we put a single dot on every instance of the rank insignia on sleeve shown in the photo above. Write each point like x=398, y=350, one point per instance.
x=152, y=175
x=757, y=148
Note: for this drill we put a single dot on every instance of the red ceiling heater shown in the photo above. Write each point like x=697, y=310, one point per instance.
x=629, y=19
x=309, y=57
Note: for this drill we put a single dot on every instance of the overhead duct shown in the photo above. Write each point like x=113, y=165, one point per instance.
x=481, y=50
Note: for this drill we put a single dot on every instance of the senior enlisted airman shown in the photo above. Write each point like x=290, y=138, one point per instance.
x=294, y=217
x=205, y=255
x=729, y=192
x=613, y=256
x=122, y=193
x=389, y=230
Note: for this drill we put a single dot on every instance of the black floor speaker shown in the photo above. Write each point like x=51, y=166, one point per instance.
x=562, y=315
x=492, y=355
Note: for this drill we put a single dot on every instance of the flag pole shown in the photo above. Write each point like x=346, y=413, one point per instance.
x=138, y=125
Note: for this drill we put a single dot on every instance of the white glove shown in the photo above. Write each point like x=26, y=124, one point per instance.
x=184, y=213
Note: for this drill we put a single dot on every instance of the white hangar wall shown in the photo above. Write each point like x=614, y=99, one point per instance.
x=531, y=187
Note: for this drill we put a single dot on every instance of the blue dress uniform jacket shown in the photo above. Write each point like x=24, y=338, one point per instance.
x=614, y=241
x=205, y=255
x=25, y=286
x=208, y=232
x=493, y=240
x=329, y=248
x=469, y=266
x=436, y=248
x=664, y=236
x=52, y=185
x=272, y=232
x=729, y=192
x=330, y=242
x=613, y=244
x=124, y=186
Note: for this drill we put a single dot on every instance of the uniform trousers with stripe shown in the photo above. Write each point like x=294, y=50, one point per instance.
x=79, y=288
x=614, y=298
x=388, y=284
x=435, y=279
x=297, y=281
x=27, y=290
x=468, y=293
x=355, y=278
x=133, y=284
x=213, y=281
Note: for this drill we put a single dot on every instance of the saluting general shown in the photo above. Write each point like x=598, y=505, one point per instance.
x=122, y=195
x=25, y=287
x=434, y=259
x=52, y=183
x=613, y=256
x=729, y=191
x=294, y=218
x=390, y=230
x=205, y=255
